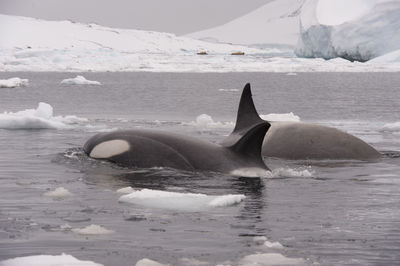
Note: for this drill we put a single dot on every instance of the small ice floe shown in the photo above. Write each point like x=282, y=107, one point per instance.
x=58, y=193
x=287, y=117
x=181, y=201
x=79, y=80
x=149, y=262
x=125, y=190
x=392, y=127
x=13, y=83
x=92, y=229
x=289, y=172
x=269, y=259
x=291, y=74
x=205, y=122
x=48, y=260
x=40, y=118
x=262, y=240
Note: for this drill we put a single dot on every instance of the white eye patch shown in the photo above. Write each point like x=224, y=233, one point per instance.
x=109, y=148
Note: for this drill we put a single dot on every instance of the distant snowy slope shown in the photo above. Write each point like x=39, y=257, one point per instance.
x=24, y=32
x=371, y=29
x=274, y=23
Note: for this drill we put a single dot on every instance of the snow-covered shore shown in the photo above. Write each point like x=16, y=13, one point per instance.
x=29, y=44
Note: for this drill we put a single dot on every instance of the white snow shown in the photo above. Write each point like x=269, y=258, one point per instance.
x=79, y=80
x=355, y=30
x=13, y=82
x=281, y=117
x=29, y=44
x=58, y=193
x=92, y=229
x=48, y=260
x=180, y=201
x=39, y=118
x=269, y=259
x=260, y=26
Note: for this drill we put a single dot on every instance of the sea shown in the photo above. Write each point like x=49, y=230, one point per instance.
x=309, y=212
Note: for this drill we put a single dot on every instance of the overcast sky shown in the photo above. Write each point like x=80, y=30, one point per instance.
x=177, y=16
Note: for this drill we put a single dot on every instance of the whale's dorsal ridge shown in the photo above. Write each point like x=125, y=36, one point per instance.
x=249, y=132
x=247, y=114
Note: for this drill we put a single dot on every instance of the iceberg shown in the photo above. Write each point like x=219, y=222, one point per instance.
x=13, y=83
x=366, y=30
x=79, y=80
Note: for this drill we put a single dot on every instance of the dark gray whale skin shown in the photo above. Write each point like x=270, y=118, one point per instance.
x=302, y=141
x=153, y=148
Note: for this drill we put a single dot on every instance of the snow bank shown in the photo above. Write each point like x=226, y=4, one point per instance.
x=269, y=259
x=259, y=26
x=281, y=117
x=13, y=83
x=79, y=80
x=48, y=260
x=39, y=118
x=29, y=44
x=181, y=201
x=359, y=32
x=58, y=193
x=92, y=229
x=205, y=122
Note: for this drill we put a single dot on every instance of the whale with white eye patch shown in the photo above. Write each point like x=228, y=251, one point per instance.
x=239, y=153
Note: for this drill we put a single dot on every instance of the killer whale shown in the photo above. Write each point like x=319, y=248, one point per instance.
x=238, y=154
x=303, y=141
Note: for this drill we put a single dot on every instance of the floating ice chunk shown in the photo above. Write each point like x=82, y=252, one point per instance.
x=262, y=240
x=13, y=83
x=48, y=260
x=226, y=200
x=269, y=259
x=39, y=118
x=92, y=229
x=79, y=80
x=125, y=190
x=259, y=239
x=58, y=193
x=289, y=172
x=273, y=245
x=281, y=117
x=392, y=127
x=181, y=201
x=149, y=262
x=205, y=122
x=291, y=74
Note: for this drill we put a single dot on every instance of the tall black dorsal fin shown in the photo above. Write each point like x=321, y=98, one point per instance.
x=249, y=132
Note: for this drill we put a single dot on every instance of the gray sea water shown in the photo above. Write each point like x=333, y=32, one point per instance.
x=323, y=212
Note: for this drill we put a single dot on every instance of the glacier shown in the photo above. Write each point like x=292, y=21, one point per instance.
x=371, y=29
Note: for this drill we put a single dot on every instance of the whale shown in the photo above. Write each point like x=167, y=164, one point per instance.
x=304, y=141
x=237, y=154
